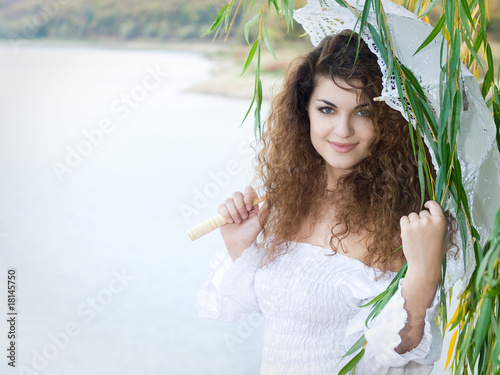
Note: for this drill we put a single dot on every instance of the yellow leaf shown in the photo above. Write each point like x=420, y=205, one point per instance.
x=455, y=316
x=450, y=349
x=447, y=36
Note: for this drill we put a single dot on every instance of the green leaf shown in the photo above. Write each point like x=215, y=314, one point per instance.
x=479, y=39
x=432, y=35
x=356, y=346
x=462, y=225
x=378, y=307
x=454, y=61
x=412, y=97
x=248, y=25
x=378, y=42
x=496, y=228
x=440, y=183
x=414, y=81
x=251, y=54
x=431, y=121
x=445, y=111
x=429, y=8
x=496, y=353
x=381, y=300
x=289, y=16
x=482, y=9
x=488, y=78
x=248, y=111
x=465, y=14
x=258, y=107
x=472, y=51
x=421, y=175
x=340, y=2
x=218, y=19
x=399, y=86
x=455, y=117
x=376, y=299
x=449, y=15
x=267, y=41
x=258, y=95
x=275, y=3
x=481, y=271
x=364, y=14
x=352, y=363
x=482, y=326
x=496, y=113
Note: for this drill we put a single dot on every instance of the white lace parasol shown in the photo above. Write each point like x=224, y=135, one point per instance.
x=476, y=148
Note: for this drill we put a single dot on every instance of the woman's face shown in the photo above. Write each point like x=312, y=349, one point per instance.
x=341, y=128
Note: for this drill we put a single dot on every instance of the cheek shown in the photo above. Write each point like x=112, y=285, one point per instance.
x=313, y=126
x=318, y=126
x=315, y=133
x=369, y=134
x=371, y=138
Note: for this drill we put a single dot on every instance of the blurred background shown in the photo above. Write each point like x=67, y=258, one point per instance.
x=119, y=130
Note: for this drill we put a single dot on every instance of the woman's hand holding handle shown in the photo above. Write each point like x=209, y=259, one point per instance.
x=213, y=223
x=242, y=217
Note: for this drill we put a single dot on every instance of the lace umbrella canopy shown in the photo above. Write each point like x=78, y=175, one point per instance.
x=476, y=149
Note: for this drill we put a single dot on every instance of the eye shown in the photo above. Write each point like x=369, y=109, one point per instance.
x=326, y=110
x=363, y=113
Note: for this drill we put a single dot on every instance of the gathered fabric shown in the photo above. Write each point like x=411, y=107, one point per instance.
x=310, y=299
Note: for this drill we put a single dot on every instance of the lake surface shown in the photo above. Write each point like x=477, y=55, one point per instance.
x=105, y=161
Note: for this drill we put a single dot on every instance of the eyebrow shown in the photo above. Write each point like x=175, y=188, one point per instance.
x=334, y=106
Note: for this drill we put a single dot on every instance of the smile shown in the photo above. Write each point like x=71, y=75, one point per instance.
x=342, y=147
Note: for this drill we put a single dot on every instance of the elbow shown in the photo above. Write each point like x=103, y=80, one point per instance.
x=405, y=346
x=408, y=342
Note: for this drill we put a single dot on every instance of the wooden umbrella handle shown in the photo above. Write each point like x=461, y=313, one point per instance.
x=211, y=224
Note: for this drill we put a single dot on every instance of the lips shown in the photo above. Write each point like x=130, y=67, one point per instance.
x=342, y=147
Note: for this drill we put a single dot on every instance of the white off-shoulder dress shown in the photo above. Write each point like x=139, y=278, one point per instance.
x=310, y=302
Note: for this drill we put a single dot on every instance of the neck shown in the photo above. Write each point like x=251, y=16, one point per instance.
x=333, y=176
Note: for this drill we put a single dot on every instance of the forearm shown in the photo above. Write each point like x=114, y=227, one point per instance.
x=418, y=293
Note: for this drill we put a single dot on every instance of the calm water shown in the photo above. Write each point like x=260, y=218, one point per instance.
x=105, y=161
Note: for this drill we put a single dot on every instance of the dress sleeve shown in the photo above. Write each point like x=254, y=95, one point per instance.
x=382, y=334
x=229, y=292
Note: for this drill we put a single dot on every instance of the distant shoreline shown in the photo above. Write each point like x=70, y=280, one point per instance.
x=229, y=58
x=117, y=43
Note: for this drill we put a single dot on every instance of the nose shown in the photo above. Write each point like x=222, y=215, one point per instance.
x=342, y=126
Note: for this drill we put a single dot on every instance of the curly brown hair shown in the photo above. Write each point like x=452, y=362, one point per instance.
x=375, y=194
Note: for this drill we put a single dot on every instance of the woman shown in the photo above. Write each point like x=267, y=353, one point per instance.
x=342, y=196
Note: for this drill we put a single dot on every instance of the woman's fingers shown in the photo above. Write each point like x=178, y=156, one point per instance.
x=237, y=208
x=231, y=207
x=239, y=204
x=413, y=217
x=434, y=208
x=429, y=220
x=424, y=242
x=229, y=211
x=424, y=214
x=249, y=198
x=404, y=221
x=225, y=212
